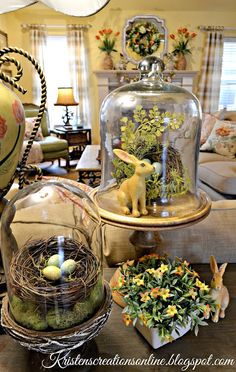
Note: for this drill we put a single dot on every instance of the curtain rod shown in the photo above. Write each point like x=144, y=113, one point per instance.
x=28, y=26
x=209, y=28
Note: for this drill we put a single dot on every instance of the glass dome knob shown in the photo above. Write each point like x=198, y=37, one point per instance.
x=151, y=66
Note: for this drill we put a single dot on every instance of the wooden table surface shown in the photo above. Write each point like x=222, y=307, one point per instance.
x=117, y=339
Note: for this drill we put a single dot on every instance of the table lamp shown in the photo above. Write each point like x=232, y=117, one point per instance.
x=65, y=97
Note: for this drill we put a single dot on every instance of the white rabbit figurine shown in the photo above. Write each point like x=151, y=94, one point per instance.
x=219, y=292
x=132, y=192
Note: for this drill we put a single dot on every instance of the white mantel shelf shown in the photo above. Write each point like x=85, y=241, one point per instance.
x=112, y=79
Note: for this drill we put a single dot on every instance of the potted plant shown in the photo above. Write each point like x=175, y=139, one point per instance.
x=181, y=46
x=163, y=298
x=107, y=39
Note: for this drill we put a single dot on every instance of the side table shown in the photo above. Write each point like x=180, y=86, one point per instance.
x=77, y=137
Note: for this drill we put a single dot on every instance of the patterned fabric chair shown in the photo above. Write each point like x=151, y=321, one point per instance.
x=52, y=147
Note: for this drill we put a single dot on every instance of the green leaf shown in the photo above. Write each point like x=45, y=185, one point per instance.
x=196, y=330
x=202, y=322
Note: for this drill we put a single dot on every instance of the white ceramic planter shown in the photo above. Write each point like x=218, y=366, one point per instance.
x=153, y=338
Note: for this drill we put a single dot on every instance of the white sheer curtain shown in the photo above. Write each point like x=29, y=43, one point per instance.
x=77, y=39
x=38, y=41
x=209, y=84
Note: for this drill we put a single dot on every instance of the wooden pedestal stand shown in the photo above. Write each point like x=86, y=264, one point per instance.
x=146, y=235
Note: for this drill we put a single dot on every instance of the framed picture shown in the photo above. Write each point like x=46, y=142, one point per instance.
x=3, y=40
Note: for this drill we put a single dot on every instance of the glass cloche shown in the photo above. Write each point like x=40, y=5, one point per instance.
x=51, y=248
x=150, y=135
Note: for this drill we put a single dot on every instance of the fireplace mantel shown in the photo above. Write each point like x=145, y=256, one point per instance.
x=111, y=79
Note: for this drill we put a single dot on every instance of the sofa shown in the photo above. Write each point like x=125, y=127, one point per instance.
x=217, y=173
x=217, y=176
x=52, y=147
x=215, y=235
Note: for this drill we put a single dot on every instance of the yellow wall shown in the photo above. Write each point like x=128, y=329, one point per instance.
x=3, y=25
x=115, y=19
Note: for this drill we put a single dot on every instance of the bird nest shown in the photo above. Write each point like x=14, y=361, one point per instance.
x=171, y=157
x=27, y=282
x=63, y=340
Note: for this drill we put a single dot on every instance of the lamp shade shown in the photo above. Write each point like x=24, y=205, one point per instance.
x=79, y=8
x=65, y=97
x=11, y=5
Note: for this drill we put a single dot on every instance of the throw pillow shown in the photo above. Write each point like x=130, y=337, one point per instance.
x=222, y=139
x=29, y=125
x=220, y=114
x=208, y=122
x=230, y=115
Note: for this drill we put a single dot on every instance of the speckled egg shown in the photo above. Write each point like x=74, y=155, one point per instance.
x=52, y=273
x=68, y=266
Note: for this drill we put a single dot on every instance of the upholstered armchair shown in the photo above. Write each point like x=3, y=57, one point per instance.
x=52, y=147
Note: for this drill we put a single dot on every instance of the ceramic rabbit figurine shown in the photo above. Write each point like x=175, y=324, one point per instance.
x=133, y=190
x=219, y=292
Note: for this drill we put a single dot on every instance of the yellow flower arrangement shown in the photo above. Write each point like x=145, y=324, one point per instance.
x=145, y=297
x=202, y=286
x=127, y=319
x=163, y=268
x=171, y=310
x=164, y=294
x=138, y=281
x=179, y=270
x=143, y=319
x=155, y=292
x=151, y=271
x=158, y=274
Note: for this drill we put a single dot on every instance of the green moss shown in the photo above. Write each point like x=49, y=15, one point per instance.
x=66, y=318
x=58, y=318
x=97, y=293
x=31, y=316
x=28, y=314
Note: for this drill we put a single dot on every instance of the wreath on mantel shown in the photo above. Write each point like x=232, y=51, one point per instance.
x=143, y=38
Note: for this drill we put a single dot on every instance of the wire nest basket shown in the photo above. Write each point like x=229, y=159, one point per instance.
x=170, y=156
x=58, y=341
x=28, y=283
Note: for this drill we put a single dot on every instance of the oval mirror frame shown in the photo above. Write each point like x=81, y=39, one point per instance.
x=162, y=29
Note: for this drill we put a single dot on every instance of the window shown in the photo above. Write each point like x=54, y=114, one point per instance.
x=57, y=75
x=228, y=76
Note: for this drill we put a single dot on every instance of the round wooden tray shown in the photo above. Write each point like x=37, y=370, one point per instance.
x=110, y=213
